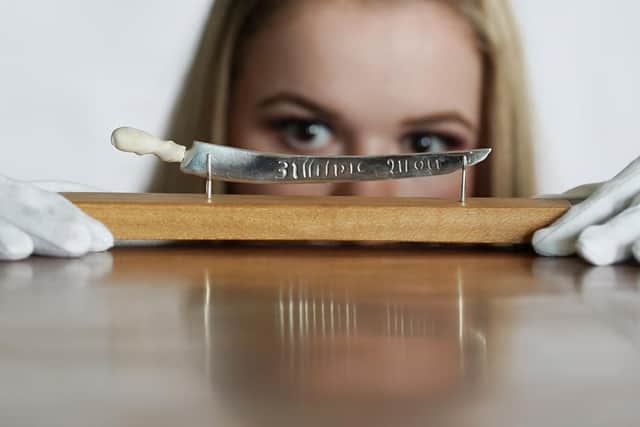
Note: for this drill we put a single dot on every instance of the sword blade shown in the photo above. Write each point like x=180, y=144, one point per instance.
x=240, y=165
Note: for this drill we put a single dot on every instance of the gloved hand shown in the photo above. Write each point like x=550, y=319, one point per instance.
x=34, y=220
x=604, y=228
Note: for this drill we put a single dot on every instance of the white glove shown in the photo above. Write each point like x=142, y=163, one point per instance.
x=604, y=228
x=33, y=220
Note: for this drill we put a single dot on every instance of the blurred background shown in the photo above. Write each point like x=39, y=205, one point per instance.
x=72, y=70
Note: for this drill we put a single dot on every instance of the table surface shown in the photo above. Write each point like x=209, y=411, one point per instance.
x=318, y=335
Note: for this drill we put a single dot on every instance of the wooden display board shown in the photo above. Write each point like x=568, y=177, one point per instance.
x=341, y=218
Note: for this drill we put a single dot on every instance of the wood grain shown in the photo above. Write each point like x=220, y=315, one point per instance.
x=340, y=218
x=310, y=335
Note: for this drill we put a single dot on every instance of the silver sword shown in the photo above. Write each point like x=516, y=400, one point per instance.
x=212, y=161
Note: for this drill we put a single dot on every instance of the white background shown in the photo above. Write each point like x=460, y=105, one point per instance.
x=72, y=70
x=584, y=67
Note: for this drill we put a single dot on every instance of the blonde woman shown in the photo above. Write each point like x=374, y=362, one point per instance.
x=364, y=77
x=377, y=64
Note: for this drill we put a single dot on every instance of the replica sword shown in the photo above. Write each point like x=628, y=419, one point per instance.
x=212, y=161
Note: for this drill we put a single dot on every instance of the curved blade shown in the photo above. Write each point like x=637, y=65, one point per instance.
x=239, y=165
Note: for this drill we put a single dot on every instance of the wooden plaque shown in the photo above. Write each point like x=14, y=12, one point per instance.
x=342, y=218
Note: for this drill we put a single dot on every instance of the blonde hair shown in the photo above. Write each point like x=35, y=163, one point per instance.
x=201, y=112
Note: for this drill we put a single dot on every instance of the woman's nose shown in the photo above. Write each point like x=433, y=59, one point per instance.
x=372, y=146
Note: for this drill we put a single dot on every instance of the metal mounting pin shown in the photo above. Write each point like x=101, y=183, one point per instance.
x=209, y=184
x=463, y=181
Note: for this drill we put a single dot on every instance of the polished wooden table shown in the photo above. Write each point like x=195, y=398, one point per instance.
x=272, y=335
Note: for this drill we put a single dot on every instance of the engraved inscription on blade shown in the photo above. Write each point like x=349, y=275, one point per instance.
x=238, y=165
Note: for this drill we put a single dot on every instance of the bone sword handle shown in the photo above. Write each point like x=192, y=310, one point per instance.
x=136, y=141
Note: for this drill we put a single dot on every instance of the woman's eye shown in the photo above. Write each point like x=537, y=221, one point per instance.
x=304, y=134
x=429, y=143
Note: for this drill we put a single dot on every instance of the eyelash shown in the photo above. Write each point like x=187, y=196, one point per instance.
x=281, y=124
x=452, y=142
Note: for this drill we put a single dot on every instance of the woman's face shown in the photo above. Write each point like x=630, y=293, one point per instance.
x=359, y=78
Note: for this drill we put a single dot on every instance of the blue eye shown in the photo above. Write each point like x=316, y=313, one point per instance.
x=304, y=134
x=424, y=142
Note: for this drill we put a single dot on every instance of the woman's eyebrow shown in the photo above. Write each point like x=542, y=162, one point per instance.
x=442, y=116
x=299, y=100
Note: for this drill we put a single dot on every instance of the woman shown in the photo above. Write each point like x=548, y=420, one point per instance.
x=353, y=77
x=461, y=57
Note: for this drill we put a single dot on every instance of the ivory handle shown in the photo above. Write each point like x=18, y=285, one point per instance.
x=133, y=140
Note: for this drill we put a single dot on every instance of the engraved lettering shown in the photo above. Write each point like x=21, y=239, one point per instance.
x=282, y=169
x=310, y=168
x=295, y=169
x=391, y=164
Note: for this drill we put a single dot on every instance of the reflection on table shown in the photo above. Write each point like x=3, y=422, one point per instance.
x=272, y=335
